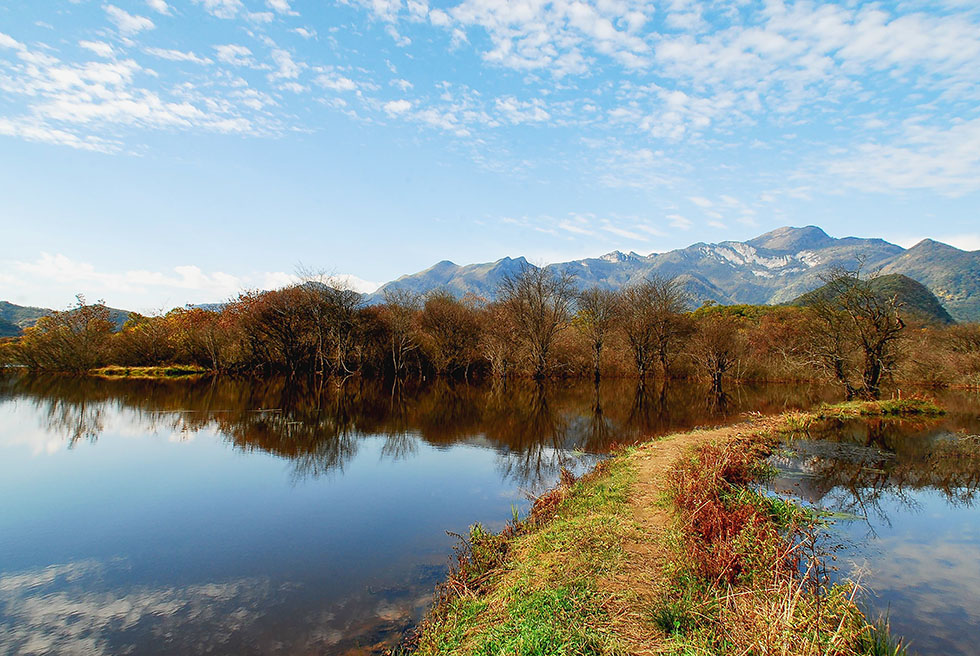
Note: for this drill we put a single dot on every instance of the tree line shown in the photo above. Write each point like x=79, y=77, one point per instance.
x=539, y=326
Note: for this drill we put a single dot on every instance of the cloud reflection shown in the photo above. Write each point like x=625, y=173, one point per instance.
x=69, y=609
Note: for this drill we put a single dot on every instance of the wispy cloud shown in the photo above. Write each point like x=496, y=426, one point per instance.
x=56, y=278
x=127, y=23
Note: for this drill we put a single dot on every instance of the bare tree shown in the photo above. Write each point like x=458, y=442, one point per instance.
x=401, y=307
x=343, y=323
x=450, y=332
x=539, y=303
x=497, y=341
x=714, y=347
x=854, y=317
x=653, y=322
x=670, y=326
x=333, y=310
x=596, y=317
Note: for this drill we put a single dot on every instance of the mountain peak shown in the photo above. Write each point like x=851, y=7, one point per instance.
x=615, y=256
x=931, y=245
x=791, y=239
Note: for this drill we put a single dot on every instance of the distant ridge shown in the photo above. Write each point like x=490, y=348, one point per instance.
x=21, y=316
x=776, y=267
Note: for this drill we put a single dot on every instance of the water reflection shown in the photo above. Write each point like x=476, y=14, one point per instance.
x=316, y=427
x=904, y=494
x=852, y=466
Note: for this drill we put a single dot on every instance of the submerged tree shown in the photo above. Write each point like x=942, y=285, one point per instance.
x=539, y=303
x=653, y=321
x=715, y=347
x=669, y=323
x=595, y=319
x=398, y=314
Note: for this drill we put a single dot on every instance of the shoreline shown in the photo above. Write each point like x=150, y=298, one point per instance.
x=183, y=371
x=665, y=548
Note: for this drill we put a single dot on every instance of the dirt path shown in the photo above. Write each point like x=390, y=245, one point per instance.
x=633, y=588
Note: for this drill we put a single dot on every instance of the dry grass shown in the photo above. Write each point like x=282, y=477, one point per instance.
x=745, y=577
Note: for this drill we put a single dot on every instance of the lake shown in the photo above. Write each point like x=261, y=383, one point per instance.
x=247, y=516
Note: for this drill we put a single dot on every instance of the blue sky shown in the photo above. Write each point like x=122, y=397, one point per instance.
x=157, y=152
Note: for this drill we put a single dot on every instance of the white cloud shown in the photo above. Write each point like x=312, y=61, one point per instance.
x=558, y=36
x=235, y=55
x=306, y=33
x=623, y=232
x=7, y=41
x=222, y=8
x=100, y=48
x=34, y=131
x=127, y=23
x=336, y=82
x=53, y=279
x=679, y=221
x=287, y=68
x=160, y=6
x=354, y=283
x=177, y=55
x=396, y=107
x=941, y=159
x=620, y=167
x=516, y=111
x=577, y=225
x=701, y=201
x=281, y=6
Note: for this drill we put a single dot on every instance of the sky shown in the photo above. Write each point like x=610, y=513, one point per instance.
x=161, y=152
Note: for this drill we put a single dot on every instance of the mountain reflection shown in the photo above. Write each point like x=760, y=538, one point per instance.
x=534, y=428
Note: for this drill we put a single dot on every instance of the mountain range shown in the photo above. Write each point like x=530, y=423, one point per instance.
x=774, y=268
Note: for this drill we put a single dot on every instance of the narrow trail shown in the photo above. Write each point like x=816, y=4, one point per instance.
x=634, y=587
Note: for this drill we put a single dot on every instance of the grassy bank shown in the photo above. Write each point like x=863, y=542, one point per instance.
x=665, y=549
x=171, y=371
x=533, y=589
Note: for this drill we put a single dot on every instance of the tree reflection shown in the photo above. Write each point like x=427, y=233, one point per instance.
x=536, y=428
x=856, y=466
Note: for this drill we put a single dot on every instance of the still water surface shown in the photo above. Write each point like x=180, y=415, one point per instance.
x=255, y=517
x=908, y=527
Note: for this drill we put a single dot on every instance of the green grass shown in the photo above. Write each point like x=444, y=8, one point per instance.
x=800, y=421
x=883, y=408
x=544, y=598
